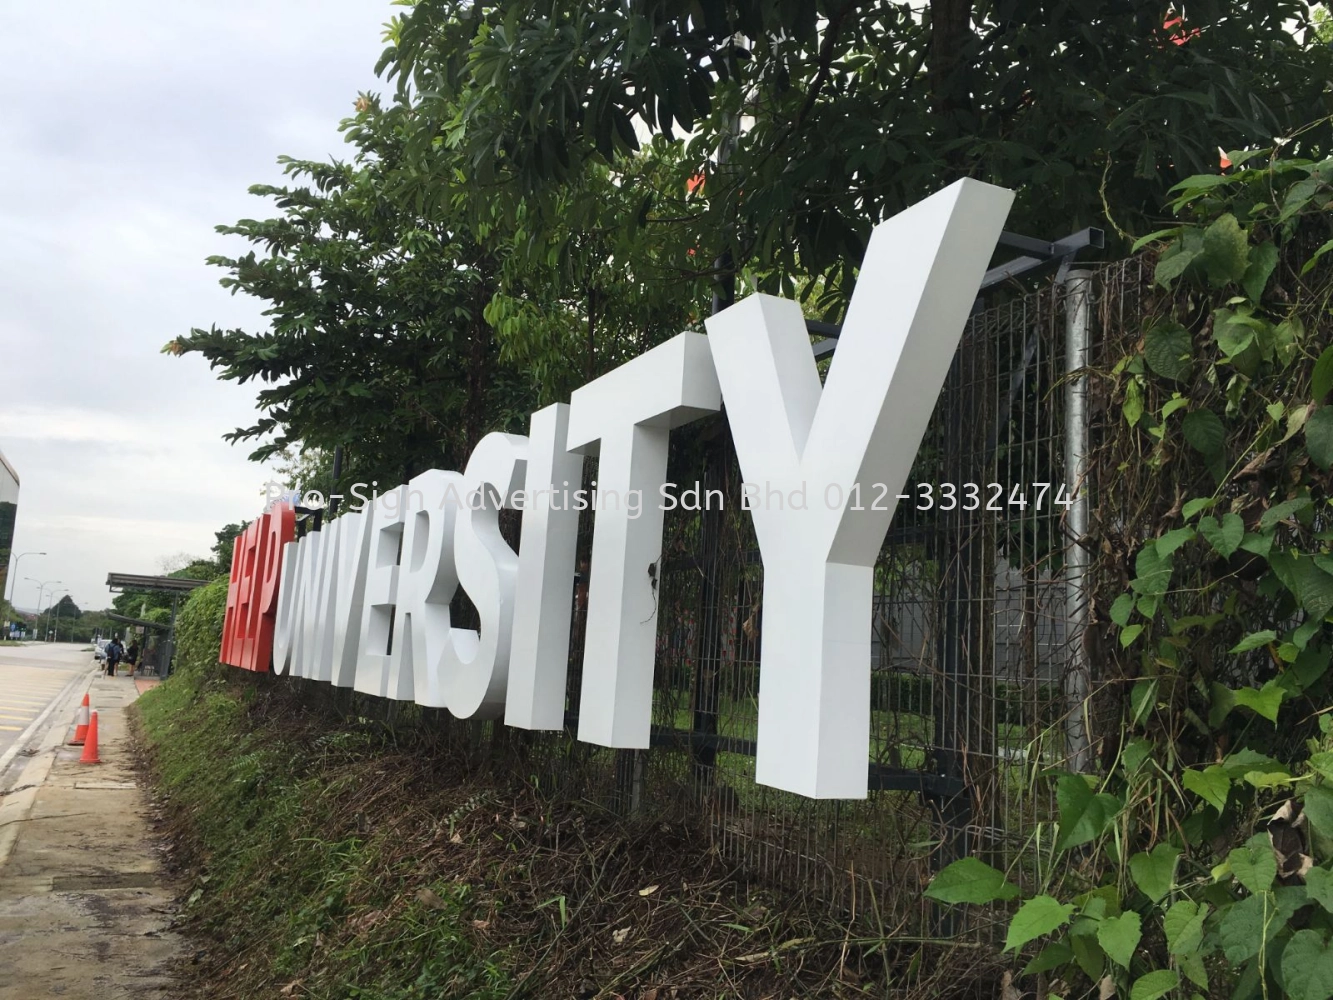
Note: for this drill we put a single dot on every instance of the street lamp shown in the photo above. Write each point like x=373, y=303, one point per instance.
x=41, y=589
x=50, y=600
x=16, y=570
x=48, y=616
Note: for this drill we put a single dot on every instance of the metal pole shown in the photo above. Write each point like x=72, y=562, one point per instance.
x=16, y=571
x=1078, y=676
x=164, y=668
x=337, y=474
x=57, y=639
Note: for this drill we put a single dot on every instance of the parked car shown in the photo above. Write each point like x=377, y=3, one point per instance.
x=99, y=649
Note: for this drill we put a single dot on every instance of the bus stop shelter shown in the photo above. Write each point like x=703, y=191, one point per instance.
x=173, y=585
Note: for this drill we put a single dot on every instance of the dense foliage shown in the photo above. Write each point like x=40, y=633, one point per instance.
x=1202, y=854
x=853, y=110
x=554, y=187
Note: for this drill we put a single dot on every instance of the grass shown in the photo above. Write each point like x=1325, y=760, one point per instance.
x=333, y=858
x=336, y=846
x=283, y=882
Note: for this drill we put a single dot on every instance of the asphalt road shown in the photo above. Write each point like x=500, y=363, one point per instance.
x=30, y=679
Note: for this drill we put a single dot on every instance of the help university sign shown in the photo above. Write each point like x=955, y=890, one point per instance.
x=325, y=607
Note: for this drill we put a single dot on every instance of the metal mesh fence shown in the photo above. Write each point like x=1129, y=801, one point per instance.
x=974, y=639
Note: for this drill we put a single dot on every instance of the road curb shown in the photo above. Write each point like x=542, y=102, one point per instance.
x=15, y=807
x=26, y=736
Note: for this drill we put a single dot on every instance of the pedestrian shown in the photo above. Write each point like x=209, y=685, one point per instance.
x=132, y=654
x=114, y=651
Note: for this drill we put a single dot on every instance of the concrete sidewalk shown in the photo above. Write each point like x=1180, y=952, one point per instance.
x=84, y=906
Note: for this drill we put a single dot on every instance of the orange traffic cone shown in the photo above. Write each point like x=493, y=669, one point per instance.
x=80, y=724
x=90, y=745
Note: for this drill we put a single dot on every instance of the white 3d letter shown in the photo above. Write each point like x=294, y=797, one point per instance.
x=288, y=624
x=426, y=585
x=385, y=517
x=920, y=276
x=544, y=596
x=476, y=664
x=626, y=416
x=350, y=590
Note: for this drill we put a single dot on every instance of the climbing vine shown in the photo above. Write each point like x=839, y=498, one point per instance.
x=1198, y=860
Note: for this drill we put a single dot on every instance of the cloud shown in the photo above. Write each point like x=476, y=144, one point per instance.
x=132, y=130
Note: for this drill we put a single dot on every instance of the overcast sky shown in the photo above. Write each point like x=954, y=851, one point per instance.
x=127, y=132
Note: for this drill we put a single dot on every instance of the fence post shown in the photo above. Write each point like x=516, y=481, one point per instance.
x=1078, y=677
x=712, y=617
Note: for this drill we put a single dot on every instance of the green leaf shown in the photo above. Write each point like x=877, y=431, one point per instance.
x=1119, y=936
x=1298, y=196
x=1254, y=864
x=1193, y=967
x=1183, y=925
x=1321, y=763
x=1319, y=887
x=1143, y=241
x=1174, y=539
x=1039, y=915
x=969, y=880
x=1211, y=784
x=1318, y=808
x=1223, y=701
x=1309, y=265
x=1240, y=931
x=1267, y=779
x=1128, y=636
x=1054, y=955
x=1133, y=405
x=1122, y=609
x=1143, y=696
x=1193, y=507
x=1260, y=545
x=1264, y=701
x=1284, y=510
x=1154, y=985
x=1197, y=183
x=1307, y=967
x=1319, y=437
x=1244, y=926
x=1253, y=641
x=1226, y=251
x=1152, y=571
x=1302, y=636
x=1262, y=262
x=1135, y=753
x=1322, y=379
x=1084, y=814
x=1155, y=872
x=1172, y=265
x=1204, y=431
x=1225, y=535
x=1088, y=953
x=1307, y=579
x=1245, y=760
x=1233, y=331
x=1287, y=336
x=1167, y=348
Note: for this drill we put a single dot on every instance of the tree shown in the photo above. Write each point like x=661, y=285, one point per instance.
x=858, y=109
x=222, y=548
x=404, y=334
x=503, y=232
x=64, y=608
